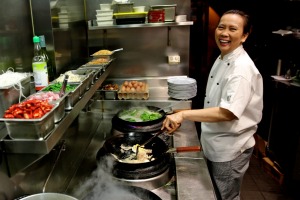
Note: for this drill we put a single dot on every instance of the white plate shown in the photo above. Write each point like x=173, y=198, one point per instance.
x=181, y=80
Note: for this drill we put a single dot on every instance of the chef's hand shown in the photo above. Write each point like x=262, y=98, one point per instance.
x=172, y=122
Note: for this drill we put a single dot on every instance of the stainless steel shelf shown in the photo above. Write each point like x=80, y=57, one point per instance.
x=46, y=145
x=165, y=24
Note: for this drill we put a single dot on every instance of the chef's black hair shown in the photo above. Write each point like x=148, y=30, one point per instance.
x=245, y=16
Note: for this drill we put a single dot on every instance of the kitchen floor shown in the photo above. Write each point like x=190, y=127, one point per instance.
x=258, y=185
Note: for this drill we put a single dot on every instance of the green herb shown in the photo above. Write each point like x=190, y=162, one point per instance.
x=57, y=86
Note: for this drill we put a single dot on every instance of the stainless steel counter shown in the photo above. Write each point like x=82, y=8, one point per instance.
x=73, y=159
x=192, y=179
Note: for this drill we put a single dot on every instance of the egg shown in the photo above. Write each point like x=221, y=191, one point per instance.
x=132, y=89
x=138, y=89
x=123, y=88
x=127, y=89
x=125, y=83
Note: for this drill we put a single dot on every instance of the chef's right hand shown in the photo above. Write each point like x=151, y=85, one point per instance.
x=172, y=122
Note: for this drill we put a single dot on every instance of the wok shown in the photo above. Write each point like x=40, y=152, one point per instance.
x=118, y=122
x=136, y=170
x=128, y=193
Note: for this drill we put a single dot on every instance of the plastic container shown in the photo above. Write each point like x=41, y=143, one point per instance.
x=104, y=17
x=139, y=9
x=105, y=6
x=170, y=11
x=156, y=16
x=104, y=12
x=105, y=22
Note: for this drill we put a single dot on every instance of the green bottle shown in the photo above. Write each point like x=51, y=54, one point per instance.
x=51, y=71
x=39, y=66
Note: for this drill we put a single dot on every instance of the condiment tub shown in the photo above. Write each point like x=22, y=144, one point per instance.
x=72, y=97
x=110, y=94
x=30, y=129
x=59, y=112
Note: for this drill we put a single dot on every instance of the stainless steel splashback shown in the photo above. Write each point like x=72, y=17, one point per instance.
x=145, y=48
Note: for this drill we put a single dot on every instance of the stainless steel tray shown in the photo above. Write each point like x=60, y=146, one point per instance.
x=28, y=129
x=59, y=112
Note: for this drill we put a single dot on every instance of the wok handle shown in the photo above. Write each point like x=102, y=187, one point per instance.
x=184, y=149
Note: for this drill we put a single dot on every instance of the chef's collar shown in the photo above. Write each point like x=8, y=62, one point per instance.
x=232, y=54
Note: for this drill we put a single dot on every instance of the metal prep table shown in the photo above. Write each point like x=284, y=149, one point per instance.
x=73, y=159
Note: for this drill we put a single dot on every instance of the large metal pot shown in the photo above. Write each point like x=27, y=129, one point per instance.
x=149, y=169
x=147, y=126
x=49, y=196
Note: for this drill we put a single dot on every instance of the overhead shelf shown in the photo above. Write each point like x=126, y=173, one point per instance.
x=145, y=25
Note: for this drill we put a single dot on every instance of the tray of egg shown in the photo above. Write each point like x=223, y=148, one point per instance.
x=133, y=90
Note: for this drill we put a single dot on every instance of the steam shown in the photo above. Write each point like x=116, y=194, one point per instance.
x=101, y=184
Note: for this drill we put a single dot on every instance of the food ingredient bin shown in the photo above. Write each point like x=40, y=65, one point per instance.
x=30, y=129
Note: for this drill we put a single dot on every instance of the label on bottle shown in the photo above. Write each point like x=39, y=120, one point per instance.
x=40, y=74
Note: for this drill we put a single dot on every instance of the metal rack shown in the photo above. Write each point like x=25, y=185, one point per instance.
x=46, y=145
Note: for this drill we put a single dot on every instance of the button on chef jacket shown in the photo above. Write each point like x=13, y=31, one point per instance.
x=234, y=83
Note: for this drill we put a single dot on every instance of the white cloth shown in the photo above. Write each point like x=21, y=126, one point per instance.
x=234, y=83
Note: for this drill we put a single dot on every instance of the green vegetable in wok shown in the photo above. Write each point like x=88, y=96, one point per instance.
x=149, y=116
x=139, y=115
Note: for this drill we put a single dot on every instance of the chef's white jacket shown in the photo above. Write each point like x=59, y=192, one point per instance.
x=234, y=83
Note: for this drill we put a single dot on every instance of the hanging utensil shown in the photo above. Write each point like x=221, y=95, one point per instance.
x=64, y=86
x=184, y=149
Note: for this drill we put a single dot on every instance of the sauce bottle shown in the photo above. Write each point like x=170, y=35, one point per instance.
x=39, y=66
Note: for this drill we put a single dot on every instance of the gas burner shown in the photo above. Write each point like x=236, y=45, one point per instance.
x=150, y=183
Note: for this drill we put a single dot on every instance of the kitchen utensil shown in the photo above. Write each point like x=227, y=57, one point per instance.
x=184, y=149
x=63, y=87
x=154, y=136
x=116, y=50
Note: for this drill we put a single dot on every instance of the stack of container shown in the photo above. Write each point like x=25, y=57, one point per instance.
x=63, y=19
x=105, y=15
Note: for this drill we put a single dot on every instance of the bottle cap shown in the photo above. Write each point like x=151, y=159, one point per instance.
x=36, y=39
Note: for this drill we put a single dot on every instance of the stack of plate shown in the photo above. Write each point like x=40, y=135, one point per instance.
x=182, y=87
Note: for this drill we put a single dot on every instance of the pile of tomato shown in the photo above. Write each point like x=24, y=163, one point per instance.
x=30, y=109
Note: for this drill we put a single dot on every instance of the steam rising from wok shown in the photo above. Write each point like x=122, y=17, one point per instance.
x=101, y=185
